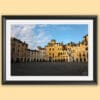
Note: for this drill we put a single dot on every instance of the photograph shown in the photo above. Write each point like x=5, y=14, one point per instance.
x=49, y=49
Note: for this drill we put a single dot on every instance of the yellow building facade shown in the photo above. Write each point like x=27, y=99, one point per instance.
x=70, y=52
x=78, y=52
x=56, y=51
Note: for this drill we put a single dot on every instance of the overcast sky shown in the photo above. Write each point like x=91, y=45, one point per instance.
x=40, y=34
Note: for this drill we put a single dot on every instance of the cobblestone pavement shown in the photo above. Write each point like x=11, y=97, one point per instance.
x=49, y=68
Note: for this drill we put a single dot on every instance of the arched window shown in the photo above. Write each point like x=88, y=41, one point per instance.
x=80, y=55
x=84, y=54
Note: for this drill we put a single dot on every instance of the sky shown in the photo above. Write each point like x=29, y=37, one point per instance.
x=40, y=34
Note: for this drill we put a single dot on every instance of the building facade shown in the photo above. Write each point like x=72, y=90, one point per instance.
x=78, y=52
x=56, y=51
x=71, y=52
x=41, y=54
x=18, y=50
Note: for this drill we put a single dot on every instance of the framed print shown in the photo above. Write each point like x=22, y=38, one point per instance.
x=49, y=49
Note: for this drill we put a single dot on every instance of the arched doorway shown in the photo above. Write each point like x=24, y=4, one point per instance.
x=80, y=59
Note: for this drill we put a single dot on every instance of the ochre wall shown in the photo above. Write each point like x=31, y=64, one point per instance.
x=50, y=92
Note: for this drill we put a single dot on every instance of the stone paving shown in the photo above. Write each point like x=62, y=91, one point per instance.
x=49, y=69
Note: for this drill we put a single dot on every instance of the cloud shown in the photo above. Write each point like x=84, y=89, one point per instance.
x=28, y=34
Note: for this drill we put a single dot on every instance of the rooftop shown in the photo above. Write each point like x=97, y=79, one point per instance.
x=17, y=40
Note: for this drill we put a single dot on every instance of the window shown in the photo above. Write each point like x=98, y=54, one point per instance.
x=49, y=48
x=84, y=54
x=19, y=45
x=17, y=50
x=53, y=54
x=80, y=54
x=58, y=54
x=87, y=48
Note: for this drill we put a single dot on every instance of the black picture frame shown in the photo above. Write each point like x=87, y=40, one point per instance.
x=53, y=17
